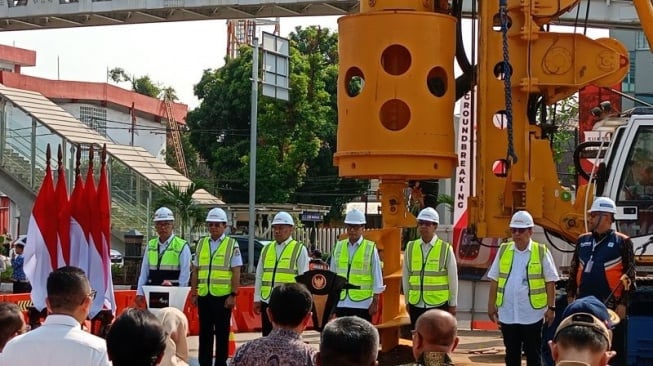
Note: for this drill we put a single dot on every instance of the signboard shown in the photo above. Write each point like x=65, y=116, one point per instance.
x=311, y=216
x=276, y=66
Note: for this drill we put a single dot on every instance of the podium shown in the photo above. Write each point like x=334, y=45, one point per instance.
x=159, y=297
x=325, y=286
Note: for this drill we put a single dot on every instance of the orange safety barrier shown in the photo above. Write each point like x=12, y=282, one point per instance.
x=246, y=319
x=484, y=325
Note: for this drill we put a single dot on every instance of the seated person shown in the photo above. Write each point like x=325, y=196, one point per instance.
x=136, y=338
x=12, y=322
x=175, y=324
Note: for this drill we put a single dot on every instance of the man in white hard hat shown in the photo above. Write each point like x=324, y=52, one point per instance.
x=357, y=259
x=522, y=292
x=167, y=258
x=214, y=286
x=281, y=260
x=603, y=265
x=429, y=274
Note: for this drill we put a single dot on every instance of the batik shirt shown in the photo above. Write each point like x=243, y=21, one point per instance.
x=282, y=347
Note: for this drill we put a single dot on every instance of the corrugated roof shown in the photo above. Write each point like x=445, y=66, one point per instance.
x=135, y=157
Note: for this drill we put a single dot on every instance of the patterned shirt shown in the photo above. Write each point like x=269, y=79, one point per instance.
x=282, y=347
x=17, y=265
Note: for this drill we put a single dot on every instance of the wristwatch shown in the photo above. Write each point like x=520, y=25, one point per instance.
x=552, y=308
x=234, y=294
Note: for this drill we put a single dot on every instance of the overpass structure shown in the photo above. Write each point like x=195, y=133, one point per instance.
x=44, y=14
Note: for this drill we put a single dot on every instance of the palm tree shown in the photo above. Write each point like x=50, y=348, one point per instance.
x=187, y=213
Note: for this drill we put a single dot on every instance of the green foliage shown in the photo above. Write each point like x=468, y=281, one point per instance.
x=297, y=139
x=563, y=139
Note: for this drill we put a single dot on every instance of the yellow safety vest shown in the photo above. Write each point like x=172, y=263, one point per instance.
x=164, y=266
x=358, y=272
x=427, y=277
x=214, y=272
x=277, y=272
x=534, y=272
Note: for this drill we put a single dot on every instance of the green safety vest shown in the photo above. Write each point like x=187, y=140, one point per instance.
x=214, y=272
x=427, y=277
x=534, y=272
x=358, y=272
x=164, y=266
x=277, y=272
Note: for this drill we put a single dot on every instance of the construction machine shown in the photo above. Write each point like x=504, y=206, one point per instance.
x=396, y=95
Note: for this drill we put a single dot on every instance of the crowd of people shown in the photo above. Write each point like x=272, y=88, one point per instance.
x=522, y=300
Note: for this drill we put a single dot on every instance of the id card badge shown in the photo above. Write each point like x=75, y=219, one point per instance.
x=589, y=265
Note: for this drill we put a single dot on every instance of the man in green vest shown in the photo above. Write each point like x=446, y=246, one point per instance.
x=280, y=261
x=357, y=259
x=166, y=261
x=522, y=292
x=214, y=286
x=429, y=274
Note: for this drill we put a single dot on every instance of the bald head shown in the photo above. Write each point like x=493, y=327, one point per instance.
x=438, y=330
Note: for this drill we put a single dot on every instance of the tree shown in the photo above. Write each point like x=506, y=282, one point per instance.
x=562, y=132
x=142, y=85
x=297, y=139
x=187, y=213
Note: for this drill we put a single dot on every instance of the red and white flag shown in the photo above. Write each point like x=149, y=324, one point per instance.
x=63, y=214
x=41, y=251
x=78, y=221
x=99, y=257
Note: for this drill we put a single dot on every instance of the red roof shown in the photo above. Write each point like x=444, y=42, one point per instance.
x=17, y=56
x=92, y=92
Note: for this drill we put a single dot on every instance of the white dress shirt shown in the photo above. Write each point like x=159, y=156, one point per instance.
x=377, y=276
x=184, y=266
x=452, y=273
x=60, y=341
x=236, y=258
x=302, y=265
x=516, y=308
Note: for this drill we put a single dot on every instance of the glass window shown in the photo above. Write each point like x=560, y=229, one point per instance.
x=636, y=186
x=641, y=43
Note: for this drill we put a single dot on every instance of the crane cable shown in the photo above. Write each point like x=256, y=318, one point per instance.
x=511, y=156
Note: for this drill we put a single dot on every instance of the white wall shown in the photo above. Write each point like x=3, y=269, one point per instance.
x=148, y=134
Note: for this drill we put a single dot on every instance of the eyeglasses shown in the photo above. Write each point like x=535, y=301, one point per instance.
x=425, y=223
x=91, y=295
x=354, y=227
x=213, y=224
x=518, y=229
x=162, y=224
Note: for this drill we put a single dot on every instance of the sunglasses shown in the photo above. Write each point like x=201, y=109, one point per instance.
x=518, y=229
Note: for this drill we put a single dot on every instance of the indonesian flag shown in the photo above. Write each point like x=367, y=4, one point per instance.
x=79, y=215
x=41, y=251
x=63, y=215
x=99, y=258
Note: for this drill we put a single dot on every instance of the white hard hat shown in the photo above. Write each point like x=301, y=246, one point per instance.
x=429, y=214
x=164, y=214
x=521, y=219
x=283, y=218
x=603, y=204
x=355, y=217
x=216, y=215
